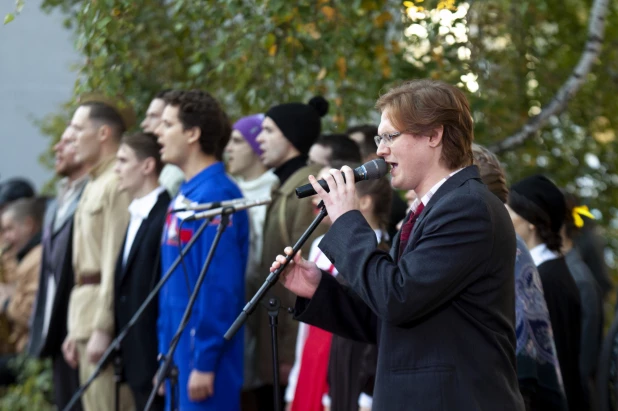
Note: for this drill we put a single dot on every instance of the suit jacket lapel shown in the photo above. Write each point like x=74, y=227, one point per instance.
x=141, y=233
x=67, y=216
x=57, y=225
x=470, y=172
x=161, y=203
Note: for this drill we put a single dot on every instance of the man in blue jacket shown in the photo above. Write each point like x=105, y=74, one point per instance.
x=193, y=134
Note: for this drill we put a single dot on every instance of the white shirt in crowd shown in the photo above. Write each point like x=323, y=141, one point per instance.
x=139, y=210
x=541, y=254
x=261, y=187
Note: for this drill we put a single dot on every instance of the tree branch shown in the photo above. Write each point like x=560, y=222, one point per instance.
x=592, y=49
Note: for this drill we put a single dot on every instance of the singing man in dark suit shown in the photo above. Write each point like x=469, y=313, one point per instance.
x=49, y=319
x=441, y=305
x=138, y=165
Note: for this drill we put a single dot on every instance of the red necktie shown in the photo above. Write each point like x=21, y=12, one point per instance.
x=406, y=229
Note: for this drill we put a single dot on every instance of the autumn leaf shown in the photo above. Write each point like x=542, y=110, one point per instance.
x=311, y=29
x=329, y=12
x=272, y=50
x=342, y=66
x=321, y=74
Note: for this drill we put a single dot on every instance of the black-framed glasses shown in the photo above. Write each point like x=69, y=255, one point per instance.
x=386, y=138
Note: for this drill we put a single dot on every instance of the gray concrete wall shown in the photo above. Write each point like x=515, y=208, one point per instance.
x=36, y=53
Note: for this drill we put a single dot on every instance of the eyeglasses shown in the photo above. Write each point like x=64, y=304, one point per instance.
x=386, y=138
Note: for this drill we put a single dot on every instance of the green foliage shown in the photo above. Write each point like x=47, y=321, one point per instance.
x=511, y=58
x=19, y=5
x=250, y=54
x=33, y=390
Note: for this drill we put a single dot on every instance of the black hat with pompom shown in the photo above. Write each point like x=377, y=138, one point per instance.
x=300, y=123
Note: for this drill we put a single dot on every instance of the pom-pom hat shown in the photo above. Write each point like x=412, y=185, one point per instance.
x=300, y=123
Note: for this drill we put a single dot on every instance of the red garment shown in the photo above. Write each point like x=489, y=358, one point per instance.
x=312, y=379
x=406, y=229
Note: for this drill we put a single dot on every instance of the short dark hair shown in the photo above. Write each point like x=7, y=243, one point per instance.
x=145, y=145
x=342, y=147
x=369, y=131
x=33, y=207
x=161, y=94
x=199, y=109
x=104, y=114
x=571, y=201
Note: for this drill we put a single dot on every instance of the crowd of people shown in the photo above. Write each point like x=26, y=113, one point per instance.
x=466, y=295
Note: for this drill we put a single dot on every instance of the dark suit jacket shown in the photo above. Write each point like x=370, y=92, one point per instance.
x=57, y=241
x=133, y=283
x=443, y=315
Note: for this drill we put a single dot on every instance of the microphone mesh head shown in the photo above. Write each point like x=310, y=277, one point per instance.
x=376, y=168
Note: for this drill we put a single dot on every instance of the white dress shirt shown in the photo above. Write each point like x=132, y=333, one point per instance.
x=541, y=254
x=139, y=210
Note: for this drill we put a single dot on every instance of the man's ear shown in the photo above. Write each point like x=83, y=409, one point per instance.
x=435, y=136
x=149, y=165
x=194, y=134
x=104, y=133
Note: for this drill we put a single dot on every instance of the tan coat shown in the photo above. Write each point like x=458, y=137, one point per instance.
x=101, y=220
x=287, y=218
x=19, y=310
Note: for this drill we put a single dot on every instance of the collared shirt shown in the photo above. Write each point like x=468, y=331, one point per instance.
x=101, y=219
x=541, y=254
x=139, y=210
x=68, y=191
x=431, y=192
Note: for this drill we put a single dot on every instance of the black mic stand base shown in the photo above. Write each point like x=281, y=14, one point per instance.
x=273, y=314
x=117, y=377
x=270, y=281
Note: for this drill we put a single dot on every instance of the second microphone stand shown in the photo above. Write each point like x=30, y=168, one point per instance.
x=167, y=358
x=273, y=306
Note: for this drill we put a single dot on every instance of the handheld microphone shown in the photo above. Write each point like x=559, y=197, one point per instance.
x=234, y=208
x=371, y=170
x=209, y=206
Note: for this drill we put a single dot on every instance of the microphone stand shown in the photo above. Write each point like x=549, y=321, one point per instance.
x=273, y=306
x=114, y=347
x=167, y=358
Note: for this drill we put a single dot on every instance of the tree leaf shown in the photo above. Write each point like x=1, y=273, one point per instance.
x=9, y=18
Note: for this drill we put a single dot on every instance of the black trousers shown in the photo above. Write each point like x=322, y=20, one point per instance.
x=66, y=383
x=264, y=396
x=7, y=373
x=140, y=395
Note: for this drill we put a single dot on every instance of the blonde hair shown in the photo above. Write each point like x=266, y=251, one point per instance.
x=491, y=171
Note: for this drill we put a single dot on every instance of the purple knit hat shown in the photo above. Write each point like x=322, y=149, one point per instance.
x=250, y=127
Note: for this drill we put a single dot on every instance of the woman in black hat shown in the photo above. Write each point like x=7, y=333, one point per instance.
x=537, y=208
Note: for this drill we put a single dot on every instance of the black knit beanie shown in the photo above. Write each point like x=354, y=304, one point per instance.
x=300, y=123
x=537, y=199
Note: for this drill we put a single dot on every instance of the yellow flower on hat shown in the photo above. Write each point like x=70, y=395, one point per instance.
x=581, y=211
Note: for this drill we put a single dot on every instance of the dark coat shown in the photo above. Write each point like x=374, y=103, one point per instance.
x=564, y=306
x=57, y=241
x=133, y=283
x=443, y=315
